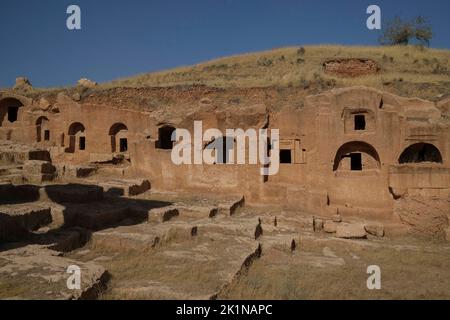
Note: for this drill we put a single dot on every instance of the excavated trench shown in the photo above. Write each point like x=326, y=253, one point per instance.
x=148, y=247
x=109, y=227
x=70, y=218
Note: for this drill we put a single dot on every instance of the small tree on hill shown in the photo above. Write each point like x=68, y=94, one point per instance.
x=423, y=30
x=399, y=32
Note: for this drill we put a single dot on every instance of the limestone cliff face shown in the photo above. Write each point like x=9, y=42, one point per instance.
x=355, y=150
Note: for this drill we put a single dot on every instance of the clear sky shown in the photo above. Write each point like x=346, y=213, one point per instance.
x=126, y=37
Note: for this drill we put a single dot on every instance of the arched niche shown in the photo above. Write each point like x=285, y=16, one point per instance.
x=119, y=137
x=356, y=156
x=420, y=152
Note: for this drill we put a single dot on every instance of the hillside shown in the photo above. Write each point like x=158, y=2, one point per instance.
x=404, y=70
x=276, y=77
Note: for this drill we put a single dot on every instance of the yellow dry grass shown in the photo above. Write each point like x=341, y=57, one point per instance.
x=418, y=270
x=410, y=71
x=291, y=66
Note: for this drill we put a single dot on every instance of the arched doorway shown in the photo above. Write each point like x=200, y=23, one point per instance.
x=356, y=156
x=9, y=110
x=420, y=152
x=77, y=137
x=356, y=180
x=119, y=137
x=42, y=129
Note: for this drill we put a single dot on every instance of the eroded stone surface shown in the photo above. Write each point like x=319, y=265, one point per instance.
x=351, y=231
x=375, y=229
x=351, y=67
x=126, y=187
x=336, y=160
x=34, y=272
x=330, y=226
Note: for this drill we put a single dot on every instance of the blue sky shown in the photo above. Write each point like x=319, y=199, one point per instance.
x=122, y=38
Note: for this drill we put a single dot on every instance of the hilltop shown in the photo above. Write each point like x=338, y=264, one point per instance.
x=405, y=70
x=287, y=73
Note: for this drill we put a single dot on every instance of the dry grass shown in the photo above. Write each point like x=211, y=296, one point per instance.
x=169, y=272
x=411, y=269
x=29, y=287
x=410, y=71
x=291, y=66
x=422, y=272
x=141, y=269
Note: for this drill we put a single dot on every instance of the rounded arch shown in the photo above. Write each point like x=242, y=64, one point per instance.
x=41, y=120
x=77, y=138
x=118, y=136
x=22, y=99
x=420, y=152
x=42, y=131
x=116, y=128
x=9, y=109
x=359, y=155
x=75, y=128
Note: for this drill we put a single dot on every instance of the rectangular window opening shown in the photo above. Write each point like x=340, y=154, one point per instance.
x=360, y=122
x=355, y=162
x=82, y=143
x=285, y=156
x=123, y=144
x=12, y=114
x=47, y=135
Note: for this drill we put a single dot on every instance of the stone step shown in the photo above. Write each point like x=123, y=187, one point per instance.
x=230, y=207
x=18, y=220
x=126, y=187
x=199, y=210
x=160, y=215
x=71, y=193
x=36, y=272
x=96, y=216
x=111, y=171
x=57, y=193
x=11, y=194
x=181, y=263
x=146, y=236
x=140, y=237
x=77, y=171
x=200, y=272
x=61, y=239
x=16, y=154
x=10, y=169
x=12, y=178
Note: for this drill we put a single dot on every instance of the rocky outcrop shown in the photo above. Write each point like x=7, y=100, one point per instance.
x=351, y=231
x=350, y=67
x=37, y=171
x=86, y=83
x=375, y=229
x=44, y=104
x=23, y=84
x=424, y=215
x=126, y=187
